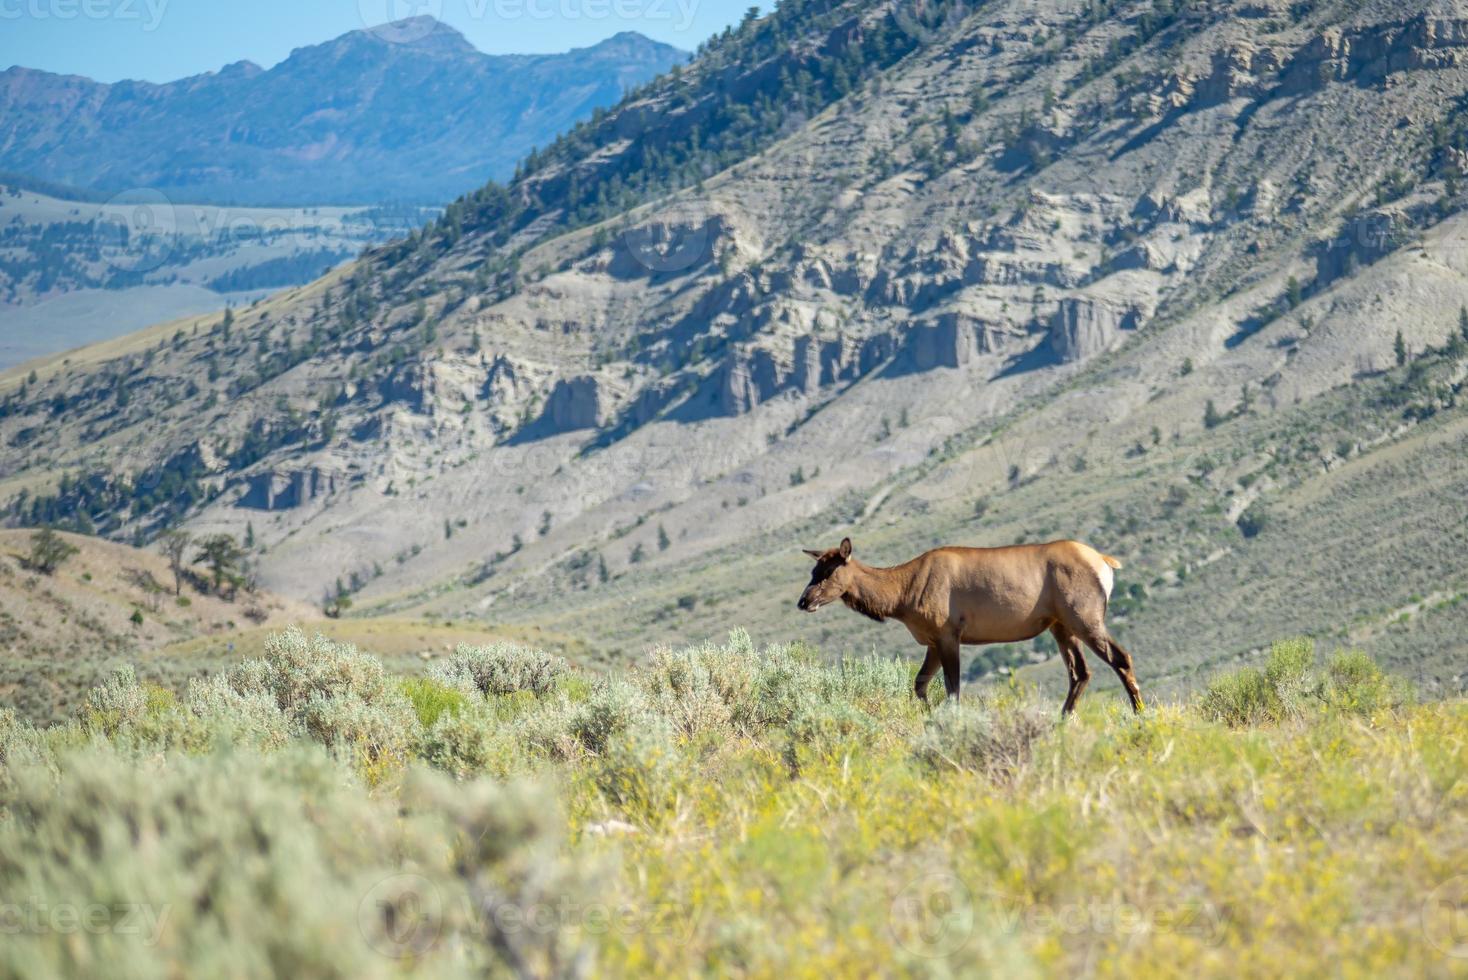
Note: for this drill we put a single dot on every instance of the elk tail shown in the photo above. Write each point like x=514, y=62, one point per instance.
x=1111, y=561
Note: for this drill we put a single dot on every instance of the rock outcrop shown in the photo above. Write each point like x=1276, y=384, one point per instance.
x=574, y=403
x=284, y=490
x=1363, y=239
x=1085, y=326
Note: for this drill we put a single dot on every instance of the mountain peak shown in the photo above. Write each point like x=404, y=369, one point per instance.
x=244, y=68
x=423, y=33
x=630, y=41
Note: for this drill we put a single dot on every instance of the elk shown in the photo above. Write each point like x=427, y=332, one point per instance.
x=951, y=596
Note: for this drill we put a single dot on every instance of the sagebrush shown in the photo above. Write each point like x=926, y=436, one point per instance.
x=722, y=809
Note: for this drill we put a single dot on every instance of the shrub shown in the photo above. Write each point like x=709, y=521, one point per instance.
x=1242, y=697
x=295, y=670
x=683, y=690
x=239, y=717
x=787, y=681
x=245, y=865
x=610, y=709
x=732, y=672
x=881, y=685
x=336, y=695
x=509, y=847
x=379, y=736
x=547, y=733
x=20, y=744
x=1281, y=690
x=467, y=743
x=49, y=551
x=117, y=703
x=500, y=669
x=827, y=727
x=977, y=738
x=14, y=736
x=1356, y=685
x=641, y=772
x=251, y=867
x=143, y=717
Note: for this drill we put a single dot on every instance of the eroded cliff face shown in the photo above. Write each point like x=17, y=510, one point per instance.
x=1083, y=328
x=284, y=490
x=574, y=403
x=712, y=315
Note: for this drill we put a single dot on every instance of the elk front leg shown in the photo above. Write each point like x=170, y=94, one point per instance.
x=925, y=674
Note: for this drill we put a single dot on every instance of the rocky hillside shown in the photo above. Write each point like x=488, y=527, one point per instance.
x=1179, y=278
x=408, y=113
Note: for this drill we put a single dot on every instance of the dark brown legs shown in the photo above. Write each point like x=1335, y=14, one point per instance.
x=1107, y=649
x=1075, y=663
x=941, y=654
x=948, y=653
x=925, y=674
x=1121, y=662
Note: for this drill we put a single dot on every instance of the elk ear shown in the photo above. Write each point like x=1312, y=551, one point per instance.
x=845, y=548
x=814, y=554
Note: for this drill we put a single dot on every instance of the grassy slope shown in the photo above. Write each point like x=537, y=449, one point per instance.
x=755, y=814
x=62, y=632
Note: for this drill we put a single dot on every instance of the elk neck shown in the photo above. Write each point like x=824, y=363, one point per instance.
x=877, y=593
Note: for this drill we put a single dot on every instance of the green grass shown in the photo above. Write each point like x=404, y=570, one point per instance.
x=431, y=699
x=727, y=810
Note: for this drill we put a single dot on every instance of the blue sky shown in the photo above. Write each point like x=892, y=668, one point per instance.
x=161, y=40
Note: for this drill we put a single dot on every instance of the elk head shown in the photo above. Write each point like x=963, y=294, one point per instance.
x=830, y=579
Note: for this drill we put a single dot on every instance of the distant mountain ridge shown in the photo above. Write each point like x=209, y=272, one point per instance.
x=416, y=116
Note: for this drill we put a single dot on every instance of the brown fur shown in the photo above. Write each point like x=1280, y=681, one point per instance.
x=948, y=597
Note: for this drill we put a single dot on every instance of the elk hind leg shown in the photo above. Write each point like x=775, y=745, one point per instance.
x=1121, y=662
x=948, y=653
x=1075, y=664
x=1098, y=639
